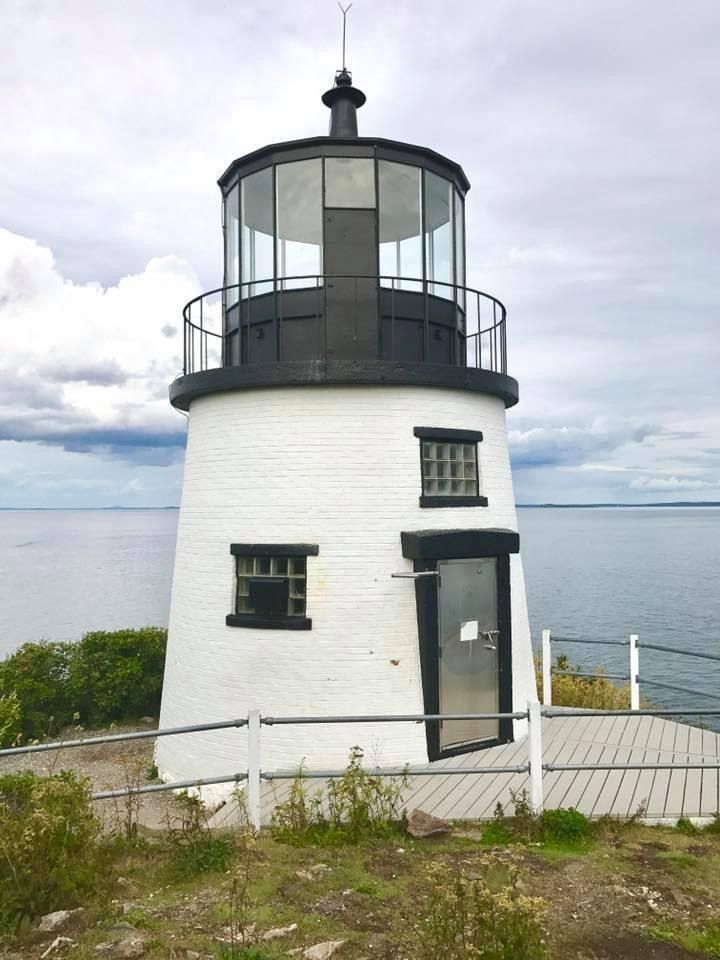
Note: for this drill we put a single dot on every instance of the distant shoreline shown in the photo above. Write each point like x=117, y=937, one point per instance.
x=589, y=506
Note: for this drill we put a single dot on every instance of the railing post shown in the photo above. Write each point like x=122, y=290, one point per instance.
x=546, y=669
x=253, y=781
x=634, y=672
x=535, y=756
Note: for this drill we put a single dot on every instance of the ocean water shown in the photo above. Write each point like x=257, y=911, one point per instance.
x=590, y=573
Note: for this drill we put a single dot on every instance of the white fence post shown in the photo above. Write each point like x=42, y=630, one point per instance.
x=634, y=672
x=253, y=781
x=535, y=756
x=546, y=669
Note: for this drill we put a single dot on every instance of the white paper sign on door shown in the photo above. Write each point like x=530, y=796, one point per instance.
x=469, y=630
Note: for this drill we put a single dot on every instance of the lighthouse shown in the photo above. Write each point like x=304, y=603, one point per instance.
x=347, y=540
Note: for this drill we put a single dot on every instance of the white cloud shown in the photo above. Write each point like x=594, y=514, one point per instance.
x=669, y=483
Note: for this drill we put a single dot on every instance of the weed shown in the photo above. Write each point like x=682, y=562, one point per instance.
x=497, y=833
x=704, y=941
x=151, y=772
x=196, y=848
x=226, y=952
x=714, y=825
x=354, y=807
x=686, y=826
x=50, y=857
x=465, y=918
x=679, y=858
x=565, y=826
x=597, y=692
x=10, y=719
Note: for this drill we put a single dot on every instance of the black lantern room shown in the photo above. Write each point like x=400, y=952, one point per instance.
x=346, y=250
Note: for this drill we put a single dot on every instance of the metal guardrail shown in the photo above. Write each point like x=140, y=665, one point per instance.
x=633, y=677
x=253, y=777
x=476, y=318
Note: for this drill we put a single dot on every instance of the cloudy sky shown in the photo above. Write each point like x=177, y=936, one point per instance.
x=589, y=132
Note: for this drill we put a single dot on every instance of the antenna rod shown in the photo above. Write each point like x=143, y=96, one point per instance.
x=344, y=11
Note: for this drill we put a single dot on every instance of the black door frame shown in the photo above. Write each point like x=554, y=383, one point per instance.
x=426, y=548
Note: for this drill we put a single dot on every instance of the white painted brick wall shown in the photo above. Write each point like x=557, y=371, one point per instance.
x=340, y=467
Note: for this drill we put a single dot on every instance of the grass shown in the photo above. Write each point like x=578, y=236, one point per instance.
x=380, y=893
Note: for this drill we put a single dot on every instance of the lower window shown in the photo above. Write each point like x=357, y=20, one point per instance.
x=271, y=585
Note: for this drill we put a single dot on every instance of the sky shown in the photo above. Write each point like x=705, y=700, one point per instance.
x=589, y=132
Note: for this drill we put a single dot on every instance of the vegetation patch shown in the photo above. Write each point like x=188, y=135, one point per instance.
x=50, y=857
x=592, y=693
x=105, y=677
x=704, y=941
x=356, y=806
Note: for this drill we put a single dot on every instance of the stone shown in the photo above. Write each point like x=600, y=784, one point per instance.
x=127, y=948
x=423, y=825
x=58, y=945
x=323, y=951
x=278, y=932
x=57, y=920
x=314, y=872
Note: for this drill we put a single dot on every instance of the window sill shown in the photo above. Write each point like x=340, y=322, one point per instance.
x=268, y=623
x=453, y=501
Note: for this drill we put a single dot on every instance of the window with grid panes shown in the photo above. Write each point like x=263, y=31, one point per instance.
x=449, y=467
x=292, y=570
x=270, y=585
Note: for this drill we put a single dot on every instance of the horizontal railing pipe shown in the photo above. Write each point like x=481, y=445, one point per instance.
x=121, y=737
x=675, y=765
x=608, y=643
x=649, y=712
x=685, y=653
x=393, y=772
x=393, y=718
x=163, y=787
x=672, y=686
x=590, y=676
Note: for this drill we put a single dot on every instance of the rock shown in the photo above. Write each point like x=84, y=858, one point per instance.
x=323, y=951
x=422, y=825
x=314, y=872
x=59, y=943
x=128, y=908
x=55, y=921
x=127, y=948
x=278, y=932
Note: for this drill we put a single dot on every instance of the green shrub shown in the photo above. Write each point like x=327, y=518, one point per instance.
x=10, y=719
x=50, y=857
x=105, y=677
x=354, y=807
x=684, y=825
x=38, y=674
x=565, y=826
x=467, y=918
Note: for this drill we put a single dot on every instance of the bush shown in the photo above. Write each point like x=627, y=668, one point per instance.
x=49, y=854
x=565, y=826
x=356, y=806
x=596, y=693
x=38, y=674
x=105, y=677
x=10, y=719
x=196, y=848
x=118, y=675
x=467, y=918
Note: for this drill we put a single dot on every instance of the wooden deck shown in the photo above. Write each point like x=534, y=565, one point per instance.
x=581, y=740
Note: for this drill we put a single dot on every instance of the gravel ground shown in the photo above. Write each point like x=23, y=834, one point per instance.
x=108, y=766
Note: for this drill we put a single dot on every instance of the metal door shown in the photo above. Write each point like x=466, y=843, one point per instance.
x=468, y=635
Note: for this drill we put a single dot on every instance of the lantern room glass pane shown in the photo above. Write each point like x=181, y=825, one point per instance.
x=299, y=222
x=439, y=213
x=400, y=224
x=232, y=237
x=257, y=232
x=460, y=249
x=349, y=182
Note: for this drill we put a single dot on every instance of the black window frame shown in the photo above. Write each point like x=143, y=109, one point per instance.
x=276, y=621
x=447, y=435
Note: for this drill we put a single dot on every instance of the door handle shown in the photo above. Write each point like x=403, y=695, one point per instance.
x=490, y=646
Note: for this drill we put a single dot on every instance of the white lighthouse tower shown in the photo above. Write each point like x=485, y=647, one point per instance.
x=347, y=539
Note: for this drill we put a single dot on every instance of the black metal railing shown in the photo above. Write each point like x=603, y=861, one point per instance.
x=305, y=317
